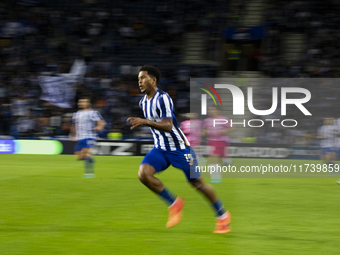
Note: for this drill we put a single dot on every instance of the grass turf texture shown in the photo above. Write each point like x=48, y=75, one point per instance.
x=47, y=208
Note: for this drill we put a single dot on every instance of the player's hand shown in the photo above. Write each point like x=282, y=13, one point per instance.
x=97, y=128
x=136, y=122
x=72, y=138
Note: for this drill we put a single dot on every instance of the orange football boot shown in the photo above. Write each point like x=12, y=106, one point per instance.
x=222, y=223
x=175, y=212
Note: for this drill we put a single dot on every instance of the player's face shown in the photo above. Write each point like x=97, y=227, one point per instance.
x=328, y=121
x=213, y=111
x=145, y=82
x=83, y=103
x=193, y=115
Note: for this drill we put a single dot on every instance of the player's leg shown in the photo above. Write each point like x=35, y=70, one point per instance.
x=77, y=155
x=77, y=149
x=215, y=174
x=187, y=162
x=226, y=159
x=322, y=154
x=207, y=191
x=336, y=158
x=210, y=194
x=83, y=152
x=215, y=160
x=86, y=155
x=332, y=157
x=223, y=217
x=146, y=174
x=155, y=162
x=328, y=155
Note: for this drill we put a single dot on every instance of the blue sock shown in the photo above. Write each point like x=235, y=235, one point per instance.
x=167, y=196
x=219, y=207
x=85, y=166
x=89, y=165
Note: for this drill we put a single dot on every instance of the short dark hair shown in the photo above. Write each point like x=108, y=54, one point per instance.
x=217, y=107
x=152, y=71
x=85, y=96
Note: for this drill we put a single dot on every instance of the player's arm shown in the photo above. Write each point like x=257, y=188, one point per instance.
x=165, y=125
x=72, y=133
x=100, y=124
x=320, y=135
x=98, y=119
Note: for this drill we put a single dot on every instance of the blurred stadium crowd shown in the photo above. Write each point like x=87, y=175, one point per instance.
x=319, y=22
x=116, y=37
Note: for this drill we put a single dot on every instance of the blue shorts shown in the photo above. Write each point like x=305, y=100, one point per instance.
x=183, y=159
x=327, y=150
x=84, y=143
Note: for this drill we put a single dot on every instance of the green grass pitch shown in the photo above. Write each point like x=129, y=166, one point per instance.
x=47, y=208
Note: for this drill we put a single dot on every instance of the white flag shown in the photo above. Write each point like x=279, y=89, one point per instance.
x=57, y=90
x=60, y=90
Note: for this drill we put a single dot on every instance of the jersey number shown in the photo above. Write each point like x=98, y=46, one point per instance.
x=188, y=157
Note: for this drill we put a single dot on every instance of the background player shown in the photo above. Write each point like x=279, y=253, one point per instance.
x=192, y=128
x=171, y=147
x=86, y=123
x=217, y=140
x=328, y=134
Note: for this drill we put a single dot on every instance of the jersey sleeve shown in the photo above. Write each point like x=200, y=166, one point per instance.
x=96, y=116
x=164, y=105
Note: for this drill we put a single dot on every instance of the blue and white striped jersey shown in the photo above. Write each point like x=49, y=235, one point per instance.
x=329, y=132
x=160, y=106
x=85, y=121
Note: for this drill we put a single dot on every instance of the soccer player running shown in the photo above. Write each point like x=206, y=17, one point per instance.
x=171, y=147
x=328, y=134
x=86, y=123
x=217, y=141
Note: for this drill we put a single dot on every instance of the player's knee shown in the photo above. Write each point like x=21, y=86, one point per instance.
x=80, y=157
x=141, y=176
x=77, y=156
x=144, y=174
x=197, y=184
